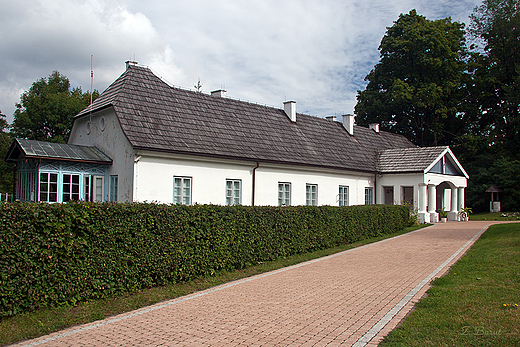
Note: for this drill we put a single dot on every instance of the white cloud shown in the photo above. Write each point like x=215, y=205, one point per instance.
x=62, y=35
x=316, y=53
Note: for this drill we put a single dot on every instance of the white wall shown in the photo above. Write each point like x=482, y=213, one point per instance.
x=399, y=181
x=154, y=174
x=328, y=182
x=458, y=181
x=106, y=135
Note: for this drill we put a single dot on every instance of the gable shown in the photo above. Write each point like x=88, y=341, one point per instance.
x=447, y=164
x=440, y=160
x=155, y=116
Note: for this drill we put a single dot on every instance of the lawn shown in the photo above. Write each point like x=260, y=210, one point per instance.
x=476, y=303
x=500, y=216
x=45, y=321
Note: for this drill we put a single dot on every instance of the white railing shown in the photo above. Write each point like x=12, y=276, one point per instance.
x=6, y=197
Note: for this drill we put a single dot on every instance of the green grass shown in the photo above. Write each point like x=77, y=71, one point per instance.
x=44, y=321
x=495, y=216
x=476, y=304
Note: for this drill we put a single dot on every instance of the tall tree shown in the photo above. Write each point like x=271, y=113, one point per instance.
x=497, y=24
x=6, y=169
x=416, y=89
x=494, y=99
x=46, y=110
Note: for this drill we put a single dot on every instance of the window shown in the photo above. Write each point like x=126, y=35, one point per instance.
x=48, y=187
x=388, y=195
x=70, y=187
x=343, y=196
x=284, y=194
x=113, y=188
x=182, y=190
x=311, y=194
x=369, y=195
x=98, y=188
x=408, y=196
x=25, y=186
x=87, y=187
x=233, y=192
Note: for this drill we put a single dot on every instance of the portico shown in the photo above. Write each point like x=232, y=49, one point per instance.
x=437, y=177
x=445, y=195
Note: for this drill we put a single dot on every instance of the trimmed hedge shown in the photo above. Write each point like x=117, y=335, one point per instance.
x=60, y=254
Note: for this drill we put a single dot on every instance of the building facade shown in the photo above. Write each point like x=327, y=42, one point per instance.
x=169, y=145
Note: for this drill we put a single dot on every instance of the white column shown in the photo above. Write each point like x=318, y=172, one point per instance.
x=422, y=198
x=454, y=213
x=432, y=203
x=432, y=198
x=423, y=216
x=454, y=191
x=461, y=198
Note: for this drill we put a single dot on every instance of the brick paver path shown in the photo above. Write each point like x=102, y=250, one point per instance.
x=351, y=298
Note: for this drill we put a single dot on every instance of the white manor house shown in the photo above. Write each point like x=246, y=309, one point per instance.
x=144, y=140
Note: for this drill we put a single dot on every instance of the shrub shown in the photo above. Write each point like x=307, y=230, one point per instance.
x=61, y=254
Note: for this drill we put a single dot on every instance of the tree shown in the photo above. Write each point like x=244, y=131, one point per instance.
x=497, y=24
x=6, y=169
x=417, y=87
x=45, y=112
x=494, y=99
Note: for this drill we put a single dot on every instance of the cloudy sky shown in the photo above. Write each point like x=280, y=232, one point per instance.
x=314, y=52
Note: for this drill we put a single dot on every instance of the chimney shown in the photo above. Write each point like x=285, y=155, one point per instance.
x=348, y=123
x=374, y=126
x=332, y=118
x=290, y=110
x=130, y=62
x=219, y=93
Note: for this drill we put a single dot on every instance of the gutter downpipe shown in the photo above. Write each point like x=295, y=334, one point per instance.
x=37, y=188
x=375, y=188
x=254, y=184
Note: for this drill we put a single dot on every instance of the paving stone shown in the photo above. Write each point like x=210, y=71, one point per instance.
x=351, y=298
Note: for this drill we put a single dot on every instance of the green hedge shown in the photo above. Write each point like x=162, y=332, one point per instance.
x=55, y=254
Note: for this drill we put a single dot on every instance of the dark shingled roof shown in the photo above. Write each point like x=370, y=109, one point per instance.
x=22, y=149
x=155, y=116
x=408, y=159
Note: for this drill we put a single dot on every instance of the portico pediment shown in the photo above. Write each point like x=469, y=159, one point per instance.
x=446, y=164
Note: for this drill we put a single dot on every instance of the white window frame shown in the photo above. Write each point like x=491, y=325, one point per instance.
x=284, y=193
x=98, y=190
x=182, y=193
x=87, y=188
x=311, y=194
x=233, y=192
x=67, y=188
x=343, y=199
x=114, y=182
x=48, y=191
x=369, y=195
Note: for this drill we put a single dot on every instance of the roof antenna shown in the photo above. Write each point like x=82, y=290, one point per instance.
x=91, y=81
x=89, y=123
x=198, y=86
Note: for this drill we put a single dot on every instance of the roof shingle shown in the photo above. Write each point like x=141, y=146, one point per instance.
x=408, y=159
x=156, y=116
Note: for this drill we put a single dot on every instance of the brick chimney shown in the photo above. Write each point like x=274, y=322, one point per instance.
x=221, y=93
x=130, y=62
x=290, y=110
x=348, y=123
x=374, y=126
x=332, y=118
